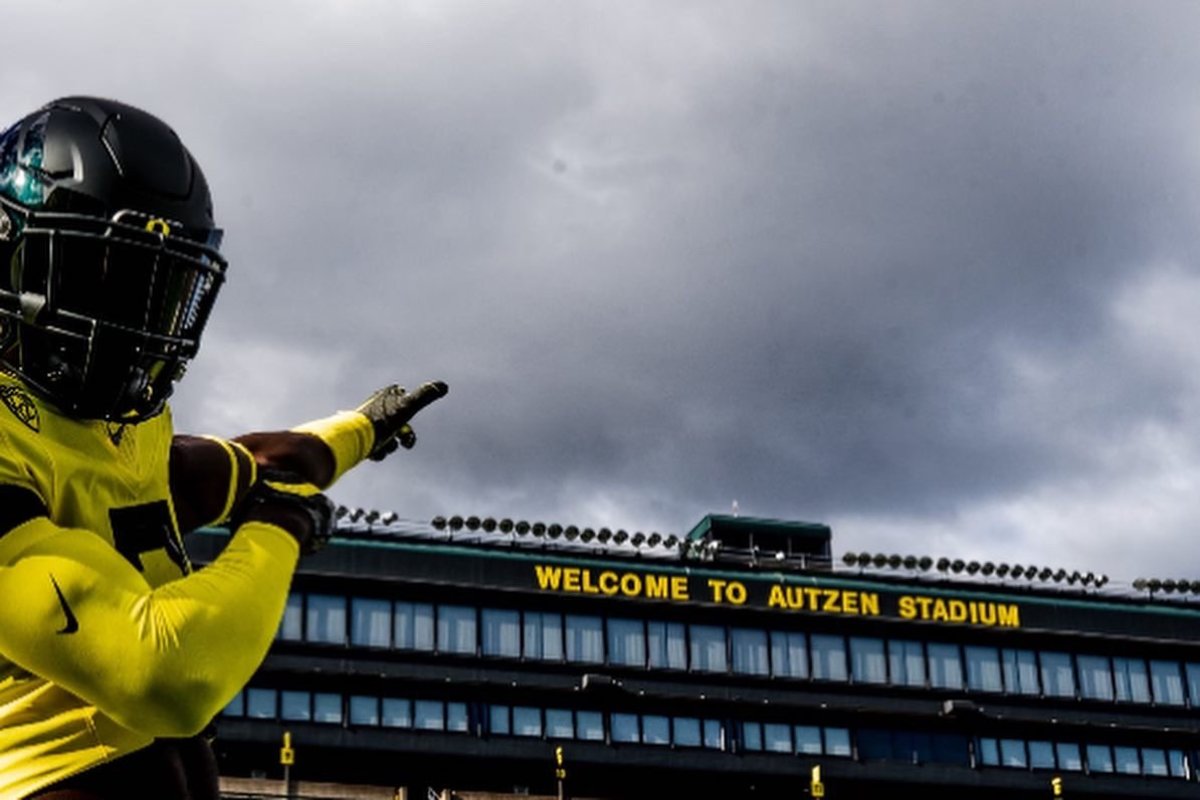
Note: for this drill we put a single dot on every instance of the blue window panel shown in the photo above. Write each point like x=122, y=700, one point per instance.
x=370, y=622
x=396, y=712
x=456, y=629
x=543, y=636
x=1020, y=671
x=667, y=645
x=749, y=651
x=868, y=663
x=295, y=706
x=808, y=740
x=589, y=726
x=1177, y=764
x=236, y=706
x=1095, y=677
x=1166, y=683
x=364, y=710
x=777, y=737
x=656, y=729
x=326, y=622
x=260, y=703
x=585, y=639
x=413, y=626
x=1099, y=758
x=559, y=724
x=789, y=654
x=1069, y=756
x=687, y=731
x=707, y=648
x=906, y=662
x=1193, y=683
x=1154, y=761
x=526, y=721
x=1132, y=679
x=945, y=666
x=1012, y=753
x=828, y=657
x=714, y=735
x=1041, y=755
x=627, y=642
x=327, y=707
x=989, y=752
x=837, y=741
x=456, y=717
x=752, y=736
x=983, y=669
x=1058, y=677
x=291, y=627
x=501, y=633
x=429, y=715
x=499, y=723
x=1126, y=760
x=625, y=728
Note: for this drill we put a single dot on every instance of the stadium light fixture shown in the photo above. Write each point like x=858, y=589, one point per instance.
x=522, y=527
x=538, y=529
x=389, y=518
x=654, y=540
x=637, y=539
x=619, y=537
x=604, y=535
x=473, y=523
x=506, y=525
x=439, y=522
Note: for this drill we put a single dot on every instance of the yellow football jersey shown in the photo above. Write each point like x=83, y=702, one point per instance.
x=96, y=597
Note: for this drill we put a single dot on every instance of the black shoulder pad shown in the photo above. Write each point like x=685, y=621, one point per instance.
x=17, y=505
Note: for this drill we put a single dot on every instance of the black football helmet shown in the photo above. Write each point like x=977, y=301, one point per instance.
x=109, y=260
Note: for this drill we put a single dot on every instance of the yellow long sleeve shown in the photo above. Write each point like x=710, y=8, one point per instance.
x=160, y=661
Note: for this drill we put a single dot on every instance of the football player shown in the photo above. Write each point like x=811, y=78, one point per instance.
x=115, y=653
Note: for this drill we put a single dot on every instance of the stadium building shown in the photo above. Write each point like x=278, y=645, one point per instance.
x=740, y=660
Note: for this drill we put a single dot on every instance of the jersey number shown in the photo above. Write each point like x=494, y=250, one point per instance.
x=143, y=529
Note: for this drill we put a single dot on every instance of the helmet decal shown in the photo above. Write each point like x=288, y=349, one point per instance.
x=21, y=176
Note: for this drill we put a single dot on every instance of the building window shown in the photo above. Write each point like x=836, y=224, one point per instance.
x=291, y=627
x=667, y=645
x=260, y=703
x=1095, y=678
x=777, y=737
x=808, y=739
x=1126, y=760
x=585, y=639
x=498, y=721
x=945, y=666
x=1193, y=683
x=686, y=731
x=714, y=735
x=1012, y=753
x=749, y=651
x=1069, y=756
x=543, y=636
x=1166, y=683
x=371, y=623
x=656, y=729
x=1154, y=761
x=295, y=706
x=236, y=707
x=1177, y=764
x=526, y=721
x=456, y=631
x=707, y=648
x=868, y=664
x=395, y=712
x=413, y=626
x=1133, y=682
x=989, y=752
x=456, y=717
x=1041, y=755
x=364, y=710
x=837, y=742
x=429, y=715
x=624, y=728
x=828, y=657
x=1020, y=671
x=789, y=654
x=326, y=619
x=1099, y=758
x=589, y=726
x=906, y=661
x=1058, y=679
x=501, y=633
x=626, y=642
x=752, y=736
x=327, y=707
x=559, y=724
x=983, y=669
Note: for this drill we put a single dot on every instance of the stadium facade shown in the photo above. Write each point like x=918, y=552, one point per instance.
x=739, y=660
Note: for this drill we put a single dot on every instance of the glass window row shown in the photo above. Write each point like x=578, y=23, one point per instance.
x=659, y=644
x=617, y=727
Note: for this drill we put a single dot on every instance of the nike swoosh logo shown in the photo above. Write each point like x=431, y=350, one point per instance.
x=72, y=623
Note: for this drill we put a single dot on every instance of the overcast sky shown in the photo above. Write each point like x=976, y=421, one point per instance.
x=927, y=272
